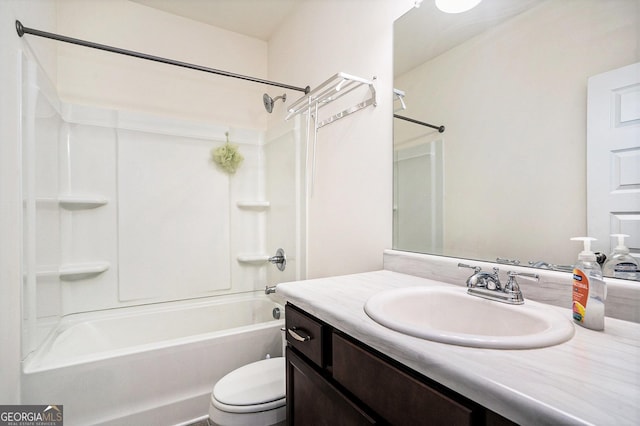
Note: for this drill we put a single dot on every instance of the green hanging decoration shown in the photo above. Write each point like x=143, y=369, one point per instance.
x=227, y=156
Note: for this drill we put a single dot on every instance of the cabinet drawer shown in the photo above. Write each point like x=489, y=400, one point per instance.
x=396, y=396
x=304, y=333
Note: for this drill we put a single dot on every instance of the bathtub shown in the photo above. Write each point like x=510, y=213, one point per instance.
x=149, y=365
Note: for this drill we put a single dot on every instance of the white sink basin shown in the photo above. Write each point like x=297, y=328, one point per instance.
x=450, y=315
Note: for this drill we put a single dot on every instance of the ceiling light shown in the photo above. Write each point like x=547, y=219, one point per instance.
x=456, y=6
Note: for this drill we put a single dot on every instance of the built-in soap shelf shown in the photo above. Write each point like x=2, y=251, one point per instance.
x=74, y=202
x=74, y=271
x=253, y=258
x=253, y=205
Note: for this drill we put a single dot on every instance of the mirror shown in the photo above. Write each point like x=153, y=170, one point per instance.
x=508, y=177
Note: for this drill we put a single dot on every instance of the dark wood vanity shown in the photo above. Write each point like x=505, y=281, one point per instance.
x=333, y=379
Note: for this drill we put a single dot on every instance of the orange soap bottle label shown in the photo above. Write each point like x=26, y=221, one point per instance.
x=580, y=294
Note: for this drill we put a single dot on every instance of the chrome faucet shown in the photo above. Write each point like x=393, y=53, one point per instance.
x=508, y=261
x=488, y=286
x=481, y=279
x=541, y=264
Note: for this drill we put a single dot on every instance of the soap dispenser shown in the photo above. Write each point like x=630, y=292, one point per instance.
x=620, y=263
x=589, y=289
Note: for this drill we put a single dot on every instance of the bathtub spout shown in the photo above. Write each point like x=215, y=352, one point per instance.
x=270, y=290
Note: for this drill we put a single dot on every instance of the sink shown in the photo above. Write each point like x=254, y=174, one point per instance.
x=450, y=315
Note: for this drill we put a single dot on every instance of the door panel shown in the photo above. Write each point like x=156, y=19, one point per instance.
x=613, y=158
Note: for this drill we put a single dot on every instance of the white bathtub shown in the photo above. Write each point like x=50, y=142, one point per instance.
x=148, y=365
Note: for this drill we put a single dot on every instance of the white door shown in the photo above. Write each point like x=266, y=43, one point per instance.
x=613, y=157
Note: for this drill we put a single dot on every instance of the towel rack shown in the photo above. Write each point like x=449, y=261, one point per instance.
x=332, y=89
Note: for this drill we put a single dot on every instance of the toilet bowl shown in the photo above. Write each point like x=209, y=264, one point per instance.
x=252, y=395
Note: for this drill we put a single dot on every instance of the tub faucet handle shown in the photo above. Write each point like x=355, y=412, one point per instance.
x=280, y=259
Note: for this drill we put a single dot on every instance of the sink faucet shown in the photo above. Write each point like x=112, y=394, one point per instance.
x=480, y=279
x=488, y=286
x=541, y=264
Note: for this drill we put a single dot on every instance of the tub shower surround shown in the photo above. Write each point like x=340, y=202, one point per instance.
x=136, y=278
x=143, y=207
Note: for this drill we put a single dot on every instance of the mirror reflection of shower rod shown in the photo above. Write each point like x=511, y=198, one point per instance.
x=22, y=30
x=422, y=123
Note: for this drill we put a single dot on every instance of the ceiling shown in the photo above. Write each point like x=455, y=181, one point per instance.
x=255, y=18
x=423, y=33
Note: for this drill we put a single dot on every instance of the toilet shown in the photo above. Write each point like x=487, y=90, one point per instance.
x=252, y=395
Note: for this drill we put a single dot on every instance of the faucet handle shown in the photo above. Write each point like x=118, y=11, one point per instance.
x=472, y=281
x=527, y=275
x=512, y=284
x=507, y=261
x=476, y=269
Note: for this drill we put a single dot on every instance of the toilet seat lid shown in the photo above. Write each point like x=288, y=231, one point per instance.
x=260, y=382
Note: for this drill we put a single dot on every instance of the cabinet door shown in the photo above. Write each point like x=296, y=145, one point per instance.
x=312, y=401
x=394, y=395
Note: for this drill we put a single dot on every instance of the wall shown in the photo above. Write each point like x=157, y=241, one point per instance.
x=350, y=210
x=89, y=76
x=32, y=14
x=506, y=96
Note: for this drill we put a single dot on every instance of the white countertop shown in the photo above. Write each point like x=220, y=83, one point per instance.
x=594, y=378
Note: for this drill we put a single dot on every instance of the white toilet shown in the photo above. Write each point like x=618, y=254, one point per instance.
x=252, y=395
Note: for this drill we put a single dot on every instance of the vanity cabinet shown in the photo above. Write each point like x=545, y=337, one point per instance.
x=333, y=379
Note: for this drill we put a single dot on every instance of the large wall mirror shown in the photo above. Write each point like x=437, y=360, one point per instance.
x=509, y=81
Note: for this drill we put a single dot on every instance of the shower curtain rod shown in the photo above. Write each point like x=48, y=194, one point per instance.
x=22, y=30
x=438, y=128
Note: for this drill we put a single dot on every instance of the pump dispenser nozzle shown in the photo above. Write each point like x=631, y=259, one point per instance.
x=586, y=254
x=621, y=264
x=621, y=248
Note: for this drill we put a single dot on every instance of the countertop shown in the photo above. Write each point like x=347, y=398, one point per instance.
x=594, y=378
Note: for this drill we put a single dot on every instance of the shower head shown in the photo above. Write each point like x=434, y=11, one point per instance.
x=269, y=101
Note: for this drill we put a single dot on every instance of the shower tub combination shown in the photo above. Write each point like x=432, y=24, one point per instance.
x=152, y=364
x=90, y=174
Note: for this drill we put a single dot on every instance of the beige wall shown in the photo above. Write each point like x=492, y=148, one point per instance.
x=349, y=213
x=513, y=101
x=89, y=76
